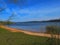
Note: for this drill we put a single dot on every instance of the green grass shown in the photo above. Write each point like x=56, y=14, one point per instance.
x=10, y=38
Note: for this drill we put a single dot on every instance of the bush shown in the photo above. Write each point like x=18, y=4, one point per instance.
x=53, y=29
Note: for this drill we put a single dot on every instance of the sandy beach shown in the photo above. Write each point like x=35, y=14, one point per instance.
x=29, y=33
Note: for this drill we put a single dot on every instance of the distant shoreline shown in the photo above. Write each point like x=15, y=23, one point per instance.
x=28, y=32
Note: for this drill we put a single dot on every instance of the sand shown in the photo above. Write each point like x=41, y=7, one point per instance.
x=30, y=33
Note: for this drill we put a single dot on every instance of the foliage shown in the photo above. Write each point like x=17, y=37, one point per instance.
x=18, y=38
x=53, y=41
x=53, y=29
x=6, y=22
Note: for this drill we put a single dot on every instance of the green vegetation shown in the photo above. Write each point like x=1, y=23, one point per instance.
x=53, y=29
x=6, y=22
x=16, y=38
x=10, y=38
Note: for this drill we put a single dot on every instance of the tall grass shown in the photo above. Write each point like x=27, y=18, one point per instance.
x=53, y=30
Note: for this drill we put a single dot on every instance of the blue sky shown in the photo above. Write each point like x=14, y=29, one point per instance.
x=30, y=10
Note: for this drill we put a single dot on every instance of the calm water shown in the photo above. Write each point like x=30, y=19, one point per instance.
x=36, y=27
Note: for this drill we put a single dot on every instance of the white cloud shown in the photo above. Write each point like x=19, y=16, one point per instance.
x=32, y=11
x=28, y=11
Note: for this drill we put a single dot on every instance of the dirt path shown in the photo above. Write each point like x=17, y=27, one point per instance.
x=30, y=33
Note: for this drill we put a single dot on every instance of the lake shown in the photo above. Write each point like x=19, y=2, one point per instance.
x=35, y=27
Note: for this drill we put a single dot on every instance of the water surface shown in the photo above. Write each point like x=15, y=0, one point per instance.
x=35, y=27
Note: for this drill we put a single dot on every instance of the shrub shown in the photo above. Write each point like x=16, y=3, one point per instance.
x=53, y=29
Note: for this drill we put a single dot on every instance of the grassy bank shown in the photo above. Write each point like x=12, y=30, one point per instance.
x=16, y=38
x=10, y=38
